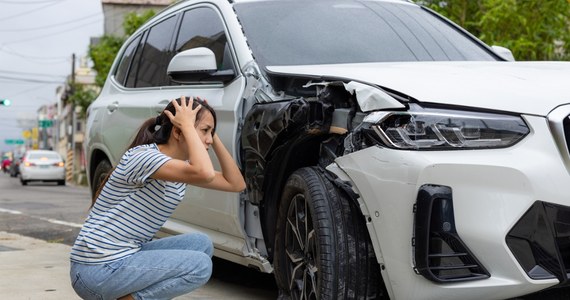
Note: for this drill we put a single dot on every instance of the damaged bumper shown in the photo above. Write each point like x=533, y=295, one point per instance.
x=495, y=198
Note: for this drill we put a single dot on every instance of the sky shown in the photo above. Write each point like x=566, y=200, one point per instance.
x=37, y=41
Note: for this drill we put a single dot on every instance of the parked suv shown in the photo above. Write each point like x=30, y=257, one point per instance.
x=387, y=152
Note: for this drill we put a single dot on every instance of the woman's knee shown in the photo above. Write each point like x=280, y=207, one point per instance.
x=202, y=270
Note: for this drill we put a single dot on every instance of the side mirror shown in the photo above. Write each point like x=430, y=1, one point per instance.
x=196, y=65
x=503, y=52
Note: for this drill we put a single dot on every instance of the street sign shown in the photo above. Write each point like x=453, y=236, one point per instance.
x=45, y=123
x=14, y=141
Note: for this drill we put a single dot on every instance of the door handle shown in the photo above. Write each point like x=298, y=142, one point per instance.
x=161, y=105
x=113, y=106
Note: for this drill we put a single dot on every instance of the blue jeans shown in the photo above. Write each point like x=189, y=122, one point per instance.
x=162, y=269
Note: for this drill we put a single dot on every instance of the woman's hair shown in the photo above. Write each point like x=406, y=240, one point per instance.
x=157, y=130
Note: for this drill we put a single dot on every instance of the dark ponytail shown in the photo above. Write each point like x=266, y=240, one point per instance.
x=157, y=130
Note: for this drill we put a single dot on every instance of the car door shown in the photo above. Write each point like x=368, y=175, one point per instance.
x=214, y=212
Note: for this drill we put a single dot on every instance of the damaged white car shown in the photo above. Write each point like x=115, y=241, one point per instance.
x=387, y=152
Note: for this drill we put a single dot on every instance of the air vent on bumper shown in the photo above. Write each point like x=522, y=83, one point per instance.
x=440, y=255
x=540, y=241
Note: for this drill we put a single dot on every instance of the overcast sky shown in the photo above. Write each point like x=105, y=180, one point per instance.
x=37, y=40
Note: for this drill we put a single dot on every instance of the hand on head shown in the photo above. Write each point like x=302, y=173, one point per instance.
x=185, y=115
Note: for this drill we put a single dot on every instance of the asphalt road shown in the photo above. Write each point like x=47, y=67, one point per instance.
x=55, y=214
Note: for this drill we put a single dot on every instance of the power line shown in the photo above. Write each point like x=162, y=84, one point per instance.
x=51, y=25
x=28, y=79
x=32, y=74
x=11, y=52
x=37, y=87
x=31, y=11
x=48, y=35
x=28, y=2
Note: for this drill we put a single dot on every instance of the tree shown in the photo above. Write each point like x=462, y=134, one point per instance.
x=533, y=30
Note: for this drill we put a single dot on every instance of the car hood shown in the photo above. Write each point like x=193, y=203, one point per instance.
x=523, y=87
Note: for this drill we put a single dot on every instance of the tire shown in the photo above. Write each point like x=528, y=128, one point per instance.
x=61, y=182
x=24, y=182
x=322, y=248
x=99, y=176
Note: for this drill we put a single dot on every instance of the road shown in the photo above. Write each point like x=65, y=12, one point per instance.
x=55, y=213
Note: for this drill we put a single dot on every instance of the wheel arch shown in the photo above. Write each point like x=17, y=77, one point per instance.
x=277, y=139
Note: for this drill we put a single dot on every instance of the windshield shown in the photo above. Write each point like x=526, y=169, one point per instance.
x=331, y=32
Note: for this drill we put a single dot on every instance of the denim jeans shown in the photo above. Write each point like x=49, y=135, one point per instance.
x=162, y=269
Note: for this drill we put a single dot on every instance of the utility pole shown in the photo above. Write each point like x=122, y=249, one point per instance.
x=70, y=165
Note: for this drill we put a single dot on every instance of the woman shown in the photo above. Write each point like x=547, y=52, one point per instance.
x=113, y=256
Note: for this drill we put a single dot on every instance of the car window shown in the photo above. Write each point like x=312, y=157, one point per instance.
x=156, y=54
x=339, y=31
x=202, y=27
x=133, y=70
x=126, y=60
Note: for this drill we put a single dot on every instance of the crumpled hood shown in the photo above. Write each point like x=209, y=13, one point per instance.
x=524, y=87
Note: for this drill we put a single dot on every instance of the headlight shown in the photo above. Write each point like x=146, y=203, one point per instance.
x=435, y=129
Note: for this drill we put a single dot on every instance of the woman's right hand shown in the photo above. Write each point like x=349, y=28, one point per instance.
x=185, y=116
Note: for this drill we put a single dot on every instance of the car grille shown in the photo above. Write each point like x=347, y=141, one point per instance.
x=440, y=254
x=540, y=241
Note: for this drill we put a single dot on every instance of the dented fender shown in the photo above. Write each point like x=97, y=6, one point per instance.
x=273, y=128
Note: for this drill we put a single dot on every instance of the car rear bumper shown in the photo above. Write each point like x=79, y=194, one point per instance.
x=48, y=174
x=497, y=196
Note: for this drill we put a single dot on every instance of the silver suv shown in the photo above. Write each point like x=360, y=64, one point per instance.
x=387, y=152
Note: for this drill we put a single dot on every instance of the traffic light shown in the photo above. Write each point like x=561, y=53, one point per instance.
x=5, y=102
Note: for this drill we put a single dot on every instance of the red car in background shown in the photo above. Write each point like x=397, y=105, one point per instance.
x=6, y=162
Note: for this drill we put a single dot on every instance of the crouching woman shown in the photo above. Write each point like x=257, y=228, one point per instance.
x=114, y=256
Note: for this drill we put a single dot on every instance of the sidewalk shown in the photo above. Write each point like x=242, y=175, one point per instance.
x=33, y=269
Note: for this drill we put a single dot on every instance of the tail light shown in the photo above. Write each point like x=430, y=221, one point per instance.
x=59, y=164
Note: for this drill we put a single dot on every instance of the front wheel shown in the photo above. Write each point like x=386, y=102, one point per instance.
x=322, y=248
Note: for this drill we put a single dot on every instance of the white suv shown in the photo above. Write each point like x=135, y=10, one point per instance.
x=387, y=152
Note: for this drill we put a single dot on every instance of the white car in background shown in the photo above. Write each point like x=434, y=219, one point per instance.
x=387, y=152
x=42, y=165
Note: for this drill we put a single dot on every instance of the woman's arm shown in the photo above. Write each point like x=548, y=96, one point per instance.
x=230, y=178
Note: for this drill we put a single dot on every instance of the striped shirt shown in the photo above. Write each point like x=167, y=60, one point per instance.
x=130, y=209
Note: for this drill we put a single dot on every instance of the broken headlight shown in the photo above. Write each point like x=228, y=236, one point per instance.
x=438, y=129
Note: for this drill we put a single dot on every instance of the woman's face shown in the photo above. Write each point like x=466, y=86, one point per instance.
x=205, y=128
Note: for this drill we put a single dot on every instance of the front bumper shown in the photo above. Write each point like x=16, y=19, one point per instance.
x=492, y=191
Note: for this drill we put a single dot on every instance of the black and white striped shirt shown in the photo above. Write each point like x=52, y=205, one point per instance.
x=129, y=210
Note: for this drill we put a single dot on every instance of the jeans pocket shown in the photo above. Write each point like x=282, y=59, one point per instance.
x=83, y=291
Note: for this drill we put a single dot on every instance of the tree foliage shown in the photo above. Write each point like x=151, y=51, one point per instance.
x=133, y=21
x=82, y=96
x=533, y=30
